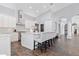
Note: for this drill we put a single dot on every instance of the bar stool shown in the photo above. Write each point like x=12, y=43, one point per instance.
x=42, y=46
x=51, y=43
x=55, y=39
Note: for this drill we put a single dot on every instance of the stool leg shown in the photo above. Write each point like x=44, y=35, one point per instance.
x=38, y=45
x=41, y=47
x=45, y=46
x=51, y=41
x=54, y=40
x=34, y=44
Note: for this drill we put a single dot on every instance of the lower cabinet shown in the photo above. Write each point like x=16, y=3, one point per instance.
x=27, y=40
x=5, y=44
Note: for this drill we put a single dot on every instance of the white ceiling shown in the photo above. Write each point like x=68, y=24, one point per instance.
x=36, y=9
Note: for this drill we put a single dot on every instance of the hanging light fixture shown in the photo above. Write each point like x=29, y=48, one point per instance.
x=19, y=16
x=51, y=4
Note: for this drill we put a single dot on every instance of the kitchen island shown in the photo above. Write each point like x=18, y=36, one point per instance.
x=27, y=38
x=5, y=44
x=5, y=41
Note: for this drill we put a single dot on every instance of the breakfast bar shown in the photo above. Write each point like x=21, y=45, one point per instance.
x=35, y=37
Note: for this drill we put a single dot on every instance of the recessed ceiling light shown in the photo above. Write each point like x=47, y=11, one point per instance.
x=44, y=6
x=30, y=7
x=37, y=11
x=51, y=3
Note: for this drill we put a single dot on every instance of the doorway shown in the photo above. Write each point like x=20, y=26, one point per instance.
x=63, y=27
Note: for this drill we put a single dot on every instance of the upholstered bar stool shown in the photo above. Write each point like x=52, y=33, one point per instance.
x=55, y=39
x=42, y=46
x=51, y=43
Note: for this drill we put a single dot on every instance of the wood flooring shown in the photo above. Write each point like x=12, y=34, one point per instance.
x=62, y=47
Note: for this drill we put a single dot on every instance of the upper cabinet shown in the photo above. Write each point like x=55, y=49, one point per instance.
x=7, y=21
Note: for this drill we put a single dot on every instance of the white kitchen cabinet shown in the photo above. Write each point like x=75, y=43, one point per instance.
x=12, y=22
x=5, y=44
x=14, y=36
x=1, y=21
x=27, y=40
x=7, y=21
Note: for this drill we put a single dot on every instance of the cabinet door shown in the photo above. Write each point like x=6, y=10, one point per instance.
x=1, y=21
x=12, y=22
x=5, y=44
x=7, y=21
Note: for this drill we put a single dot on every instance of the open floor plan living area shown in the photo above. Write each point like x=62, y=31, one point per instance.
x=39, y=29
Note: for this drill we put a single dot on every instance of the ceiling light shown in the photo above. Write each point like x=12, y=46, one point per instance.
x=30, y=7
x=45, y=6
x=51, y=4
x=37, y=11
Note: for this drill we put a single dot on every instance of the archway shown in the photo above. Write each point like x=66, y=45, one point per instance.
x=63, y=26
x=75, y=24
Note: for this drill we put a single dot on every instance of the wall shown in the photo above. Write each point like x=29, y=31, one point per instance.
x=49, y=26
x=43, y=18
x=25, y=17
x=75, y=19
x=67, y=12
x=48, y=21
x=9, y=5
x=27, y=21
x=29, y=25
